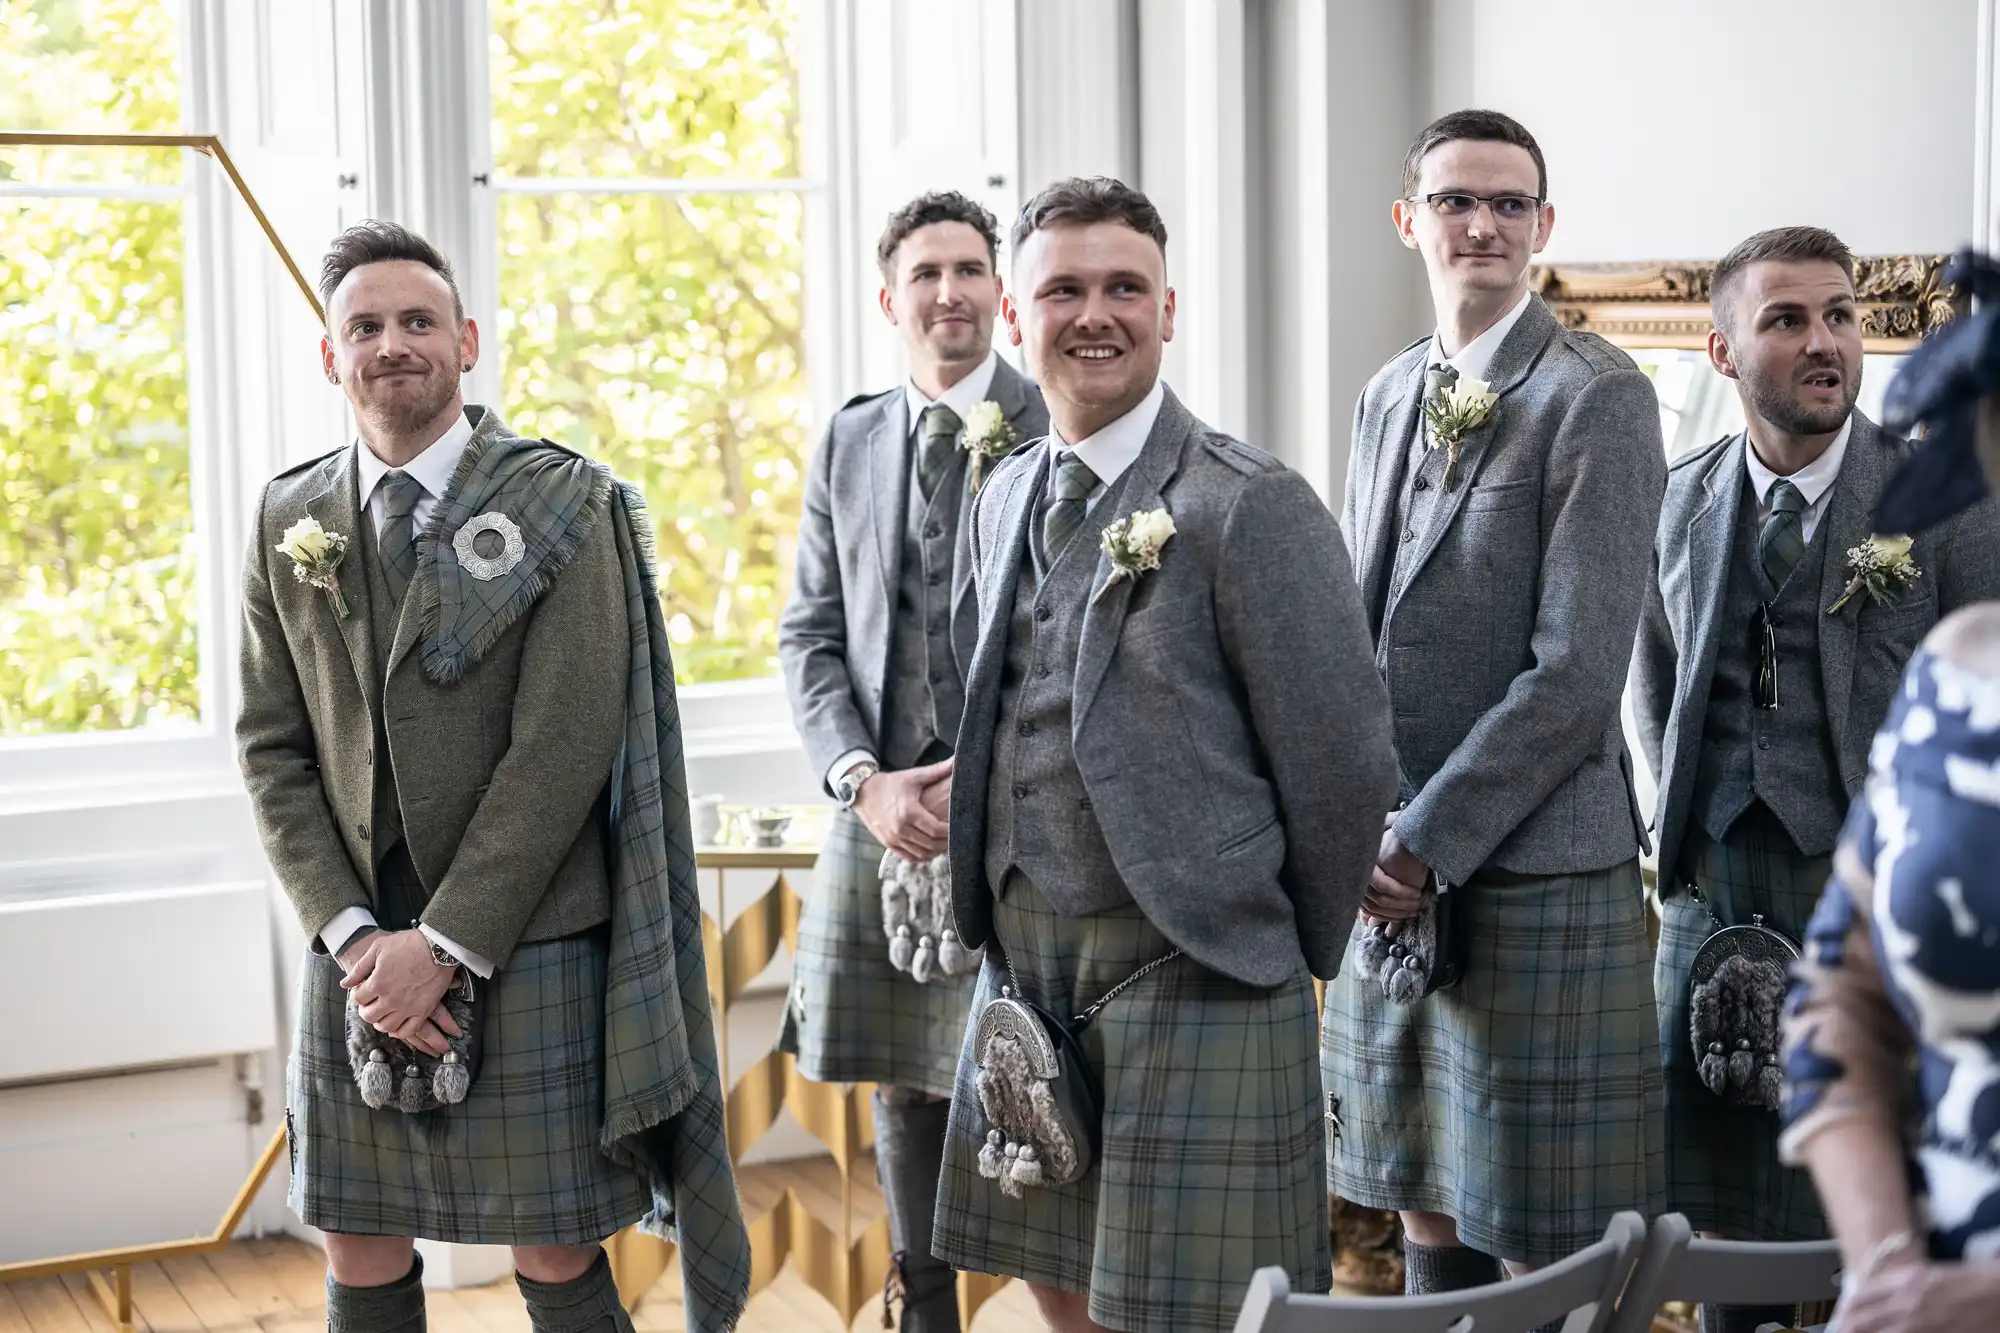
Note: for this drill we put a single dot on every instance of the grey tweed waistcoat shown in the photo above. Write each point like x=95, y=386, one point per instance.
x=1779, y=756
x=1416, y=509
x=1038, y=815
x=384, y=610
x=923, y=696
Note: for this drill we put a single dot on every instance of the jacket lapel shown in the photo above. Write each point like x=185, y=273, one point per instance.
x=1378, y=541
x=1104, y=617
x=1010, y=391
x=1855, y=491
x=337, y=509
x=1017, y=512
x=1519, y=353
x=889, y=463
x=1711, y=547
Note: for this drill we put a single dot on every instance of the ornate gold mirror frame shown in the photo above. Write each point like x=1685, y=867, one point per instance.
x=1902, y=299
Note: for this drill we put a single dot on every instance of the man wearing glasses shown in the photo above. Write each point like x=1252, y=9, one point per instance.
x=1757, y=700
x=1501, y=545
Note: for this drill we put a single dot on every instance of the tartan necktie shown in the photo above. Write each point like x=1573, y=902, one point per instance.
x=398, y=539
x=1782, y=539
x=940, y=431
x=1439, y=377
x=1074, y=483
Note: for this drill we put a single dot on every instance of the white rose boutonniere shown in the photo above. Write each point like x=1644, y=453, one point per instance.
x=1880, y=567
x=1134, y=545
x=316, y=554
x=1454, y=411
x=987, y=437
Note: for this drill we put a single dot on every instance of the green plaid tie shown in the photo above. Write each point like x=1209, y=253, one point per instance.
x=1439, y=377
x=940, y=427
x=398, y=539
x=1074, y=483
x=1782, y=540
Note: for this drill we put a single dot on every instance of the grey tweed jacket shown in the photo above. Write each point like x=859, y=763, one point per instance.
x=1862, y=650
x=1228, y=725
x=833, y=638
x=1506, y=651
x=500, y=775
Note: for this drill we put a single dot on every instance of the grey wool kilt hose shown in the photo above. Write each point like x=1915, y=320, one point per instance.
x=852, y=1017
x=516, y=1163
x=1722, y=1160
x=1213, y=1150
x=1525, y=1101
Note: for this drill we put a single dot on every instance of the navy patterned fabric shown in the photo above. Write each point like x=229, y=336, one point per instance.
x=1928, y=824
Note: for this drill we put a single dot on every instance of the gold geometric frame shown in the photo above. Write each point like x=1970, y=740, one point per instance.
x=1901, y=298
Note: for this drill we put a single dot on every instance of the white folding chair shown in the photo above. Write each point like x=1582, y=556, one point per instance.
x=1677, y=1265
x=1582, y=1287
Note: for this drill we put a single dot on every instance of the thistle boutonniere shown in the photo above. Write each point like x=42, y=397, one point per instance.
x=987, y=437
x=1134, y=545
x=1880, y=567
x=1454, y=410
x=316, y=555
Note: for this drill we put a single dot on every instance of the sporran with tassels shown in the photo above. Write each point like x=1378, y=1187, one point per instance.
x=396, y=1076
x=1042, y=1101
x=916, y=916
x=1736, y=999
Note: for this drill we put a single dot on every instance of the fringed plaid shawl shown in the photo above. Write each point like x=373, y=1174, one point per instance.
x=663, y=1085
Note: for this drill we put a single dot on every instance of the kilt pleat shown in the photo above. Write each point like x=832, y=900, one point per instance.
x=1524, y=1102
x=1723, y=1170
x=1213, y=1148
x=852, y=1017
x=516, y=1163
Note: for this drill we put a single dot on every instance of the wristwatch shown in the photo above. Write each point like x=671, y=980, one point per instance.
x=850, y=782
x=441, y=956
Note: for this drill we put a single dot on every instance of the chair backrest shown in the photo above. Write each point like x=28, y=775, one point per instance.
x=1676, y=1265
x=1581, y=1287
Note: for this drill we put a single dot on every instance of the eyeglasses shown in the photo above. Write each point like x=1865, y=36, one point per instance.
x=1459, y=206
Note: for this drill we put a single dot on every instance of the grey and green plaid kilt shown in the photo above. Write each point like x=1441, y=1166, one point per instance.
x=1722, y=1160
x=1525, y=1101
x=516, y=1163
x=853, y=1018
x=1213, y=1147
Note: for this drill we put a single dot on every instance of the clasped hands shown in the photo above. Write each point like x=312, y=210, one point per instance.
x=1396, y=887
x=399, y=988
x=908, y=811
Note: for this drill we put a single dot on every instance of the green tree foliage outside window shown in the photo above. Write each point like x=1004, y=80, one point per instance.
x=97, y=569
x=663, y=332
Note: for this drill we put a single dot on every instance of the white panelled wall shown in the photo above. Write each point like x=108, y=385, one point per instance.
x=1269, y=132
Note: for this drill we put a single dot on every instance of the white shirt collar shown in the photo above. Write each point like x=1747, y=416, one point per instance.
x=1813, y=480
x=1116, y=447
x=960, y=397
x=1476, y=357
x=433, y=468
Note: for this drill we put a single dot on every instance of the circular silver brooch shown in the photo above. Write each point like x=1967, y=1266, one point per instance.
x=484, y=567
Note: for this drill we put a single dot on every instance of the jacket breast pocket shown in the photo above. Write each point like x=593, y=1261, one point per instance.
x=1169, y=614
x=1503, y=495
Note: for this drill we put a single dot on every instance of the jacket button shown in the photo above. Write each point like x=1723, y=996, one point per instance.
x=1026, y=728
x=1423, y=484
x=1043, y=613
x=934, y=578
x=1020, y=791
x=936, y=676
x=1763, y=742
x=934, y=531
x=1042, y=668
x=361, y=829
x=1409, y=534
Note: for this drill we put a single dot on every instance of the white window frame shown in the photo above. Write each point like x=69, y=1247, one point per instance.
x=108, y=768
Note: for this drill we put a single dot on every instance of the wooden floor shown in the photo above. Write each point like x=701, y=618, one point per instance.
x=279, y=1286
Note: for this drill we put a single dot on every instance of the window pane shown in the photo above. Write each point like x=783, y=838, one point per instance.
x=97, y=571
x=84, y=67
x=661, y=333
x=650, y=88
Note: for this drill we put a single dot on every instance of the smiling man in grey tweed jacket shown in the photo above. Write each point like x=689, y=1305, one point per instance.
x=1510, y=1115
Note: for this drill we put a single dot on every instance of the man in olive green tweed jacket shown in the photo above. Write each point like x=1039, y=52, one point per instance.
x=421, y=826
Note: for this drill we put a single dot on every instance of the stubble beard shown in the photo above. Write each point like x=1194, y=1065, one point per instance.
x=396, y=414
x=1775, y=403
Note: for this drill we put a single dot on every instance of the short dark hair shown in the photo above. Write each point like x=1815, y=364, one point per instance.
x=1082, y=200
x=377, y=242
x=1784, y=244
x=926, y=209
x=1481, y=126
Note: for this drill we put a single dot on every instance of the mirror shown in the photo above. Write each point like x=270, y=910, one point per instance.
x=1699, y=405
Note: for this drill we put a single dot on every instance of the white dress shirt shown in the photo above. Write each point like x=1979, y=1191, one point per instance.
x=433, y=469
x=1814, y=480
x=1114, y=448
x=960, y=398
x=1476, y=357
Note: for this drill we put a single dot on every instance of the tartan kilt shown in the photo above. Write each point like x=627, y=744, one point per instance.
x=1524, y=1102
x=852, y=1017
x=1213, y=1146
x=1722, y=1160
x=516, y=1163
